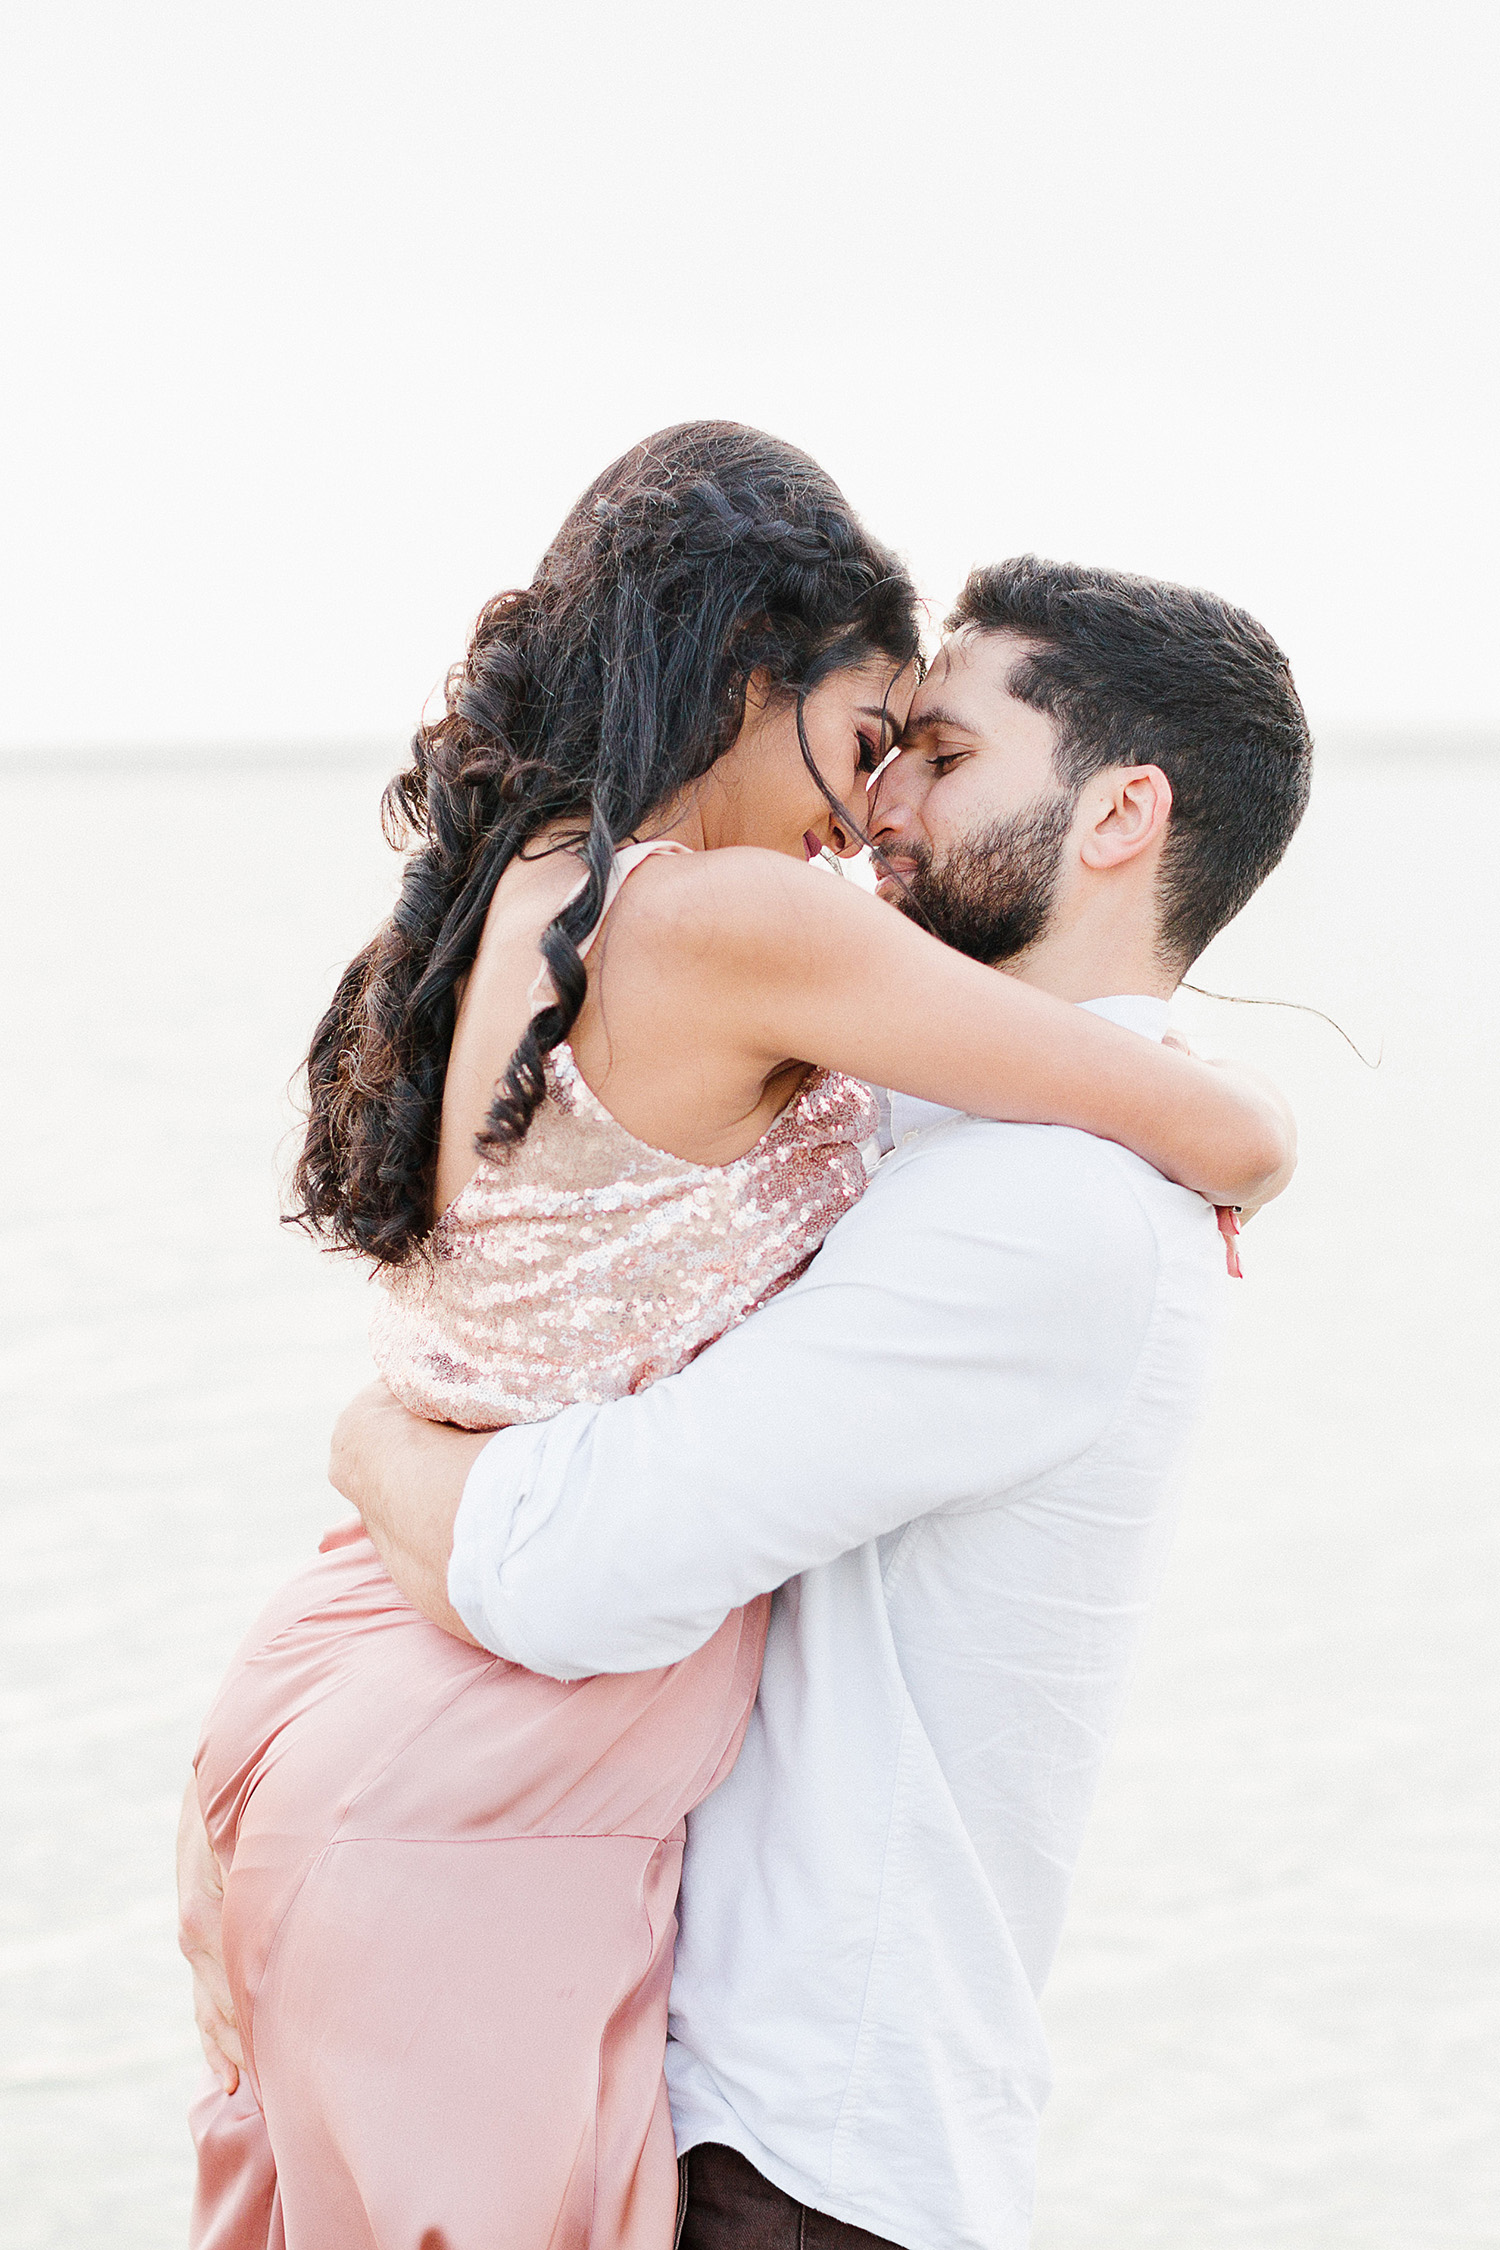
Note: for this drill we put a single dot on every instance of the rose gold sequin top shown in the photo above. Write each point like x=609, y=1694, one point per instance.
x=585, y=1264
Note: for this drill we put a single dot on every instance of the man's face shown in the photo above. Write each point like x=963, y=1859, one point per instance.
x=970, y=814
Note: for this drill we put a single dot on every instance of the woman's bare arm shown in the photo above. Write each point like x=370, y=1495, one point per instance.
x=739, y=959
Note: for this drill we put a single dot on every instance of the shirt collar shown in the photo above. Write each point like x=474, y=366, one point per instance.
x=1132, y=1011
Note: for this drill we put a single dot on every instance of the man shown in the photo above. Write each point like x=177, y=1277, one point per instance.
x=948, y=1445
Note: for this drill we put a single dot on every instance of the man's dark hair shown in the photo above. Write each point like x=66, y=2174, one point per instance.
x=1139, y=673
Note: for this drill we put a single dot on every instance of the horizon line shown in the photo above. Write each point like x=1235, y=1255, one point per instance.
x=311, y=751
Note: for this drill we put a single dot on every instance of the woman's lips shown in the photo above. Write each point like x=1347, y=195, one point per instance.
x=811, y=844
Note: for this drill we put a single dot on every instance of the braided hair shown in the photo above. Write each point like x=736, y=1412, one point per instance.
x=596, y=694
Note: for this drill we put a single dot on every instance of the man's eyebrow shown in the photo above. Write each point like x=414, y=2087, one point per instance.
x=935, y=715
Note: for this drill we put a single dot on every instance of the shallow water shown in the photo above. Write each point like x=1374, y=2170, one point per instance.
x=1276, y=2016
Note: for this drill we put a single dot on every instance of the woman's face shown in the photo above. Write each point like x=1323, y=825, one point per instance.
x=760, y=792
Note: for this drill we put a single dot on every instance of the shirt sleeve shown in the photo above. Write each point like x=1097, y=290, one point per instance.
x=973, y=1322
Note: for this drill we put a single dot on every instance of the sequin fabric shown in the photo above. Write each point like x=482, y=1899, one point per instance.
x=585, y=1264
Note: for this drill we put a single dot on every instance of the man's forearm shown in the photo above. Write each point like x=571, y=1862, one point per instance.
x=406, y=1478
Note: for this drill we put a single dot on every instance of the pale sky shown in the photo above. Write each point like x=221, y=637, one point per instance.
x=321, y=315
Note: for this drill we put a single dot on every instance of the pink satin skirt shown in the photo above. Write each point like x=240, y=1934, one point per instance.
x=449, y=1917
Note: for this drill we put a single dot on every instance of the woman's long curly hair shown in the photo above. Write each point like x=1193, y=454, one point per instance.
x=596, y=694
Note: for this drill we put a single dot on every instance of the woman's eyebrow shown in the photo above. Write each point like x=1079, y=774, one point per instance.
x=878, y=711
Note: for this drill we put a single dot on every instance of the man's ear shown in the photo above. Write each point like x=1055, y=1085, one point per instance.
x=1126, y=809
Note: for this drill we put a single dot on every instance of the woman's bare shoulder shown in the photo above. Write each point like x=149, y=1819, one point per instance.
x=539, y=879
x=738, y=900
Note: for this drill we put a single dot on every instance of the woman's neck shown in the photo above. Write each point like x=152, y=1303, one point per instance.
x=685, y=822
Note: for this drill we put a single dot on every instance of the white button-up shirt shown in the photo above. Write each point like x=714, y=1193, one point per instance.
x=949, y=1445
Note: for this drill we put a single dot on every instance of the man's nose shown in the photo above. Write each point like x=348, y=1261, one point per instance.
x=890, y=815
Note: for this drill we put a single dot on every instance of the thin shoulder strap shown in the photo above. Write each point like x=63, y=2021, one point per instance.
x=627, y=860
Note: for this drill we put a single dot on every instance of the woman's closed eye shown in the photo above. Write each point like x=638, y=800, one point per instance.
x=870, y=754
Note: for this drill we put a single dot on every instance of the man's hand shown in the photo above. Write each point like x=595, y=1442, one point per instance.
x=406, y=1477
x=200, y=1909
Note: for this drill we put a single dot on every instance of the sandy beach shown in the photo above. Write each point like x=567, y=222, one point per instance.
x=1276, y=2016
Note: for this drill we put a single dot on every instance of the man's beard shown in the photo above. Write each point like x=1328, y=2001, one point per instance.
x=992, y=896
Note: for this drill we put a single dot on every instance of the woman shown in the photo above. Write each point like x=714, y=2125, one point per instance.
x=450, y=1884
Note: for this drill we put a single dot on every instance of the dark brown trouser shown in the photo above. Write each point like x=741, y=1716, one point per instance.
x=725, y=2204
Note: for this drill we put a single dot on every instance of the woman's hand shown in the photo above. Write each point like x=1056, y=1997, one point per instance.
x=1281, y=1127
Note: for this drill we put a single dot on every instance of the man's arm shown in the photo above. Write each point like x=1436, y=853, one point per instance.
x=973, y=1322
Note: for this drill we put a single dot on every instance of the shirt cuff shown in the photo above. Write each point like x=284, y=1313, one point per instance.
x=482, y=1532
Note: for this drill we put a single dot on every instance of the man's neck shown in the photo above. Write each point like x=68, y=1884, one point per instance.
x=1073, y=971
